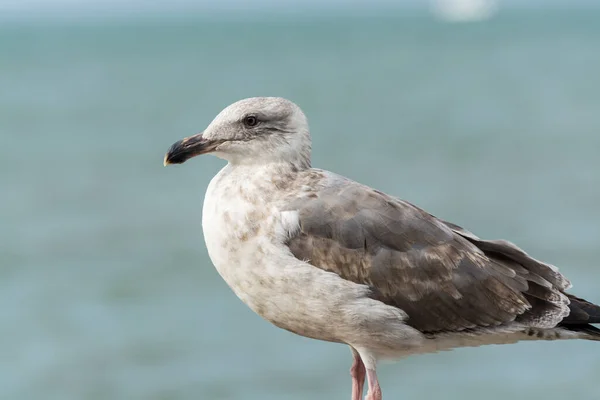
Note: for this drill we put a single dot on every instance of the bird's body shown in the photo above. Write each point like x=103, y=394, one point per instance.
x=328, y=258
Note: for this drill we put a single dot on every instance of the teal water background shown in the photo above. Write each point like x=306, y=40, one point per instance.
x=106, y=288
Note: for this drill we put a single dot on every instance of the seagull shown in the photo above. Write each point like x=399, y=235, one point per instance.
x=328, y=258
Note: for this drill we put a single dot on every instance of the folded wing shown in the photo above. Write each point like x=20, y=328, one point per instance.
x=442, y=276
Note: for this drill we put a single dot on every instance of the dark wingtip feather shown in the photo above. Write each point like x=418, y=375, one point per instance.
x=582, y=312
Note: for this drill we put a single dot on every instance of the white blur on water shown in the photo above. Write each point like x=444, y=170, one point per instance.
x=464, y=10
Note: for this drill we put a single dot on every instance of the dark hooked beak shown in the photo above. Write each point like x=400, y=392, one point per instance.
x=189, y=147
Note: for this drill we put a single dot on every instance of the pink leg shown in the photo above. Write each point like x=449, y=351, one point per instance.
x=358, y=372
x=374, y=392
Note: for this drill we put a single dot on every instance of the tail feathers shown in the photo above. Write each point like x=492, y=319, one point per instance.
x=582, y=312
x=582, y=315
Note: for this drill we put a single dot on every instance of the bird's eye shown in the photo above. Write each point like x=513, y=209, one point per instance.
x=250, y=120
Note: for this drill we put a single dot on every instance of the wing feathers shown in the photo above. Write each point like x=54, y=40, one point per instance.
x=444, y=277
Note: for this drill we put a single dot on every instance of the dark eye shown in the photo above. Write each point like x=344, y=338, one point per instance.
x=250, y=120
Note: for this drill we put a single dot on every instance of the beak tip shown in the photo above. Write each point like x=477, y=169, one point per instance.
x=185, y=149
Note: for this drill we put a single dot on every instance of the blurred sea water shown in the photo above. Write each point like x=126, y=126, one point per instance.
x=106, y=287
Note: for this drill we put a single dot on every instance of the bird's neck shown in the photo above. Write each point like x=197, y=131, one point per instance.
x=298, y=162
x=295, y=158
x=268, y=169
x=252, y=184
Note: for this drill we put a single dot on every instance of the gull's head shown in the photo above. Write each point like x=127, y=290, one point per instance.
x=258, y=130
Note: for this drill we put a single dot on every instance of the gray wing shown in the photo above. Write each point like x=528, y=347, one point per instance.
x=443, y=277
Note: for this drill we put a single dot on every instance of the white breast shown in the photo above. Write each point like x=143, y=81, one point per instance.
x=239, y=228
x=222, y=217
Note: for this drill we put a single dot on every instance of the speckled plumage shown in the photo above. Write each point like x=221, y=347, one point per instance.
x=328, y=258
